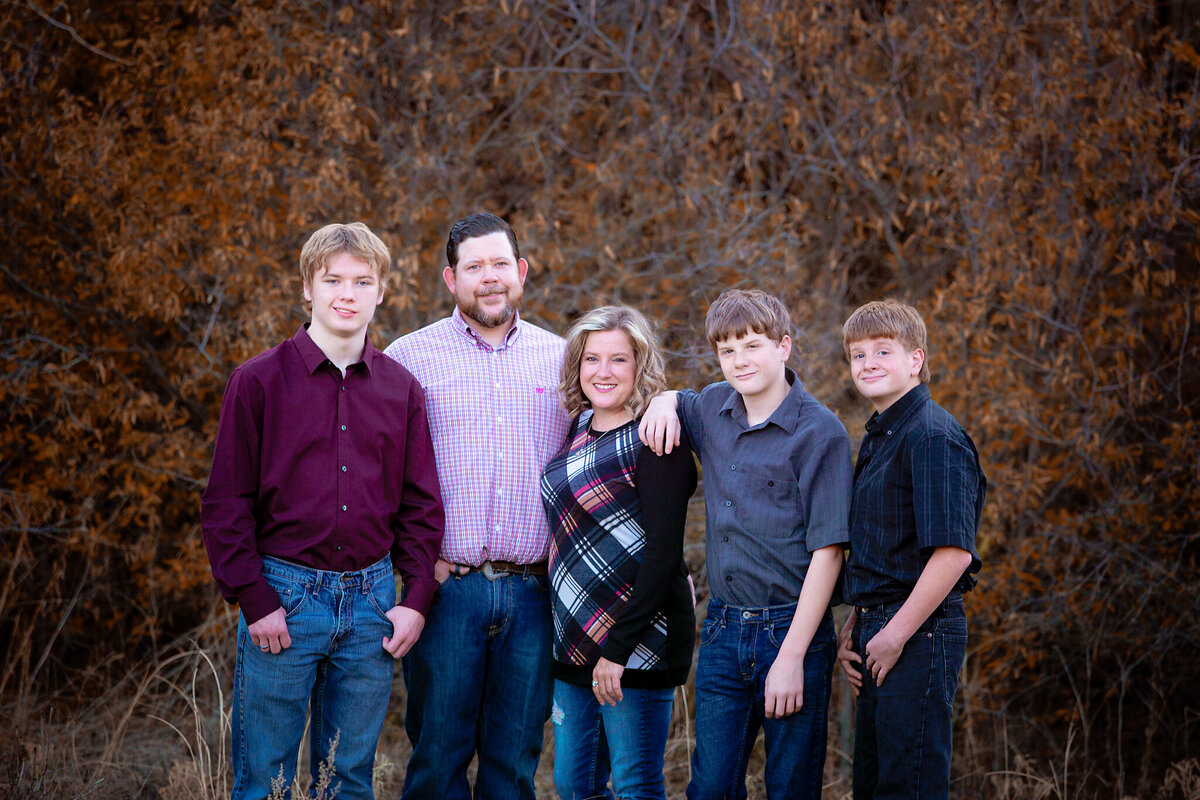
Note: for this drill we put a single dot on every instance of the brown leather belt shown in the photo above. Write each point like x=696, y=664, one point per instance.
x=496, y=569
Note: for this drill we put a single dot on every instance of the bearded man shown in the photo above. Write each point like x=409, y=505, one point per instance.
x=479, y=677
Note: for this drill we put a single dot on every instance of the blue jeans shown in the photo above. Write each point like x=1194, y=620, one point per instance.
x=628, y=740
x=337, y=663
x=479, y=681
x=902, y=733
x=737, y=648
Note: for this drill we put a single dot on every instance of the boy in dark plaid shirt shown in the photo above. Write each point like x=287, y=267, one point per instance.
x=918, y=495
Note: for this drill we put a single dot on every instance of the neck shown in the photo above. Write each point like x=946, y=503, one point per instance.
x=493, y=336
x=340, y=350
x=761, y=406
x=605, y=420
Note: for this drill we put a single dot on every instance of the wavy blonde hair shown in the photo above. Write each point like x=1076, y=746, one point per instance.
x=649, y=373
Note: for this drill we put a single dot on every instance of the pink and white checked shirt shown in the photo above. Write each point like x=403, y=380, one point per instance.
x=496, y=422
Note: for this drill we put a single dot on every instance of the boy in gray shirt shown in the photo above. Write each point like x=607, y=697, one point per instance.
x=777, y=481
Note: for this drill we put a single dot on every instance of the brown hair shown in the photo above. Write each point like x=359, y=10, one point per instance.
x=737, y=312
x=649, y=373
x=888, y=319
x=354, y=238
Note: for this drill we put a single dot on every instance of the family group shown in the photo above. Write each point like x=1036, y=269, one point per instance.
x=532, y=493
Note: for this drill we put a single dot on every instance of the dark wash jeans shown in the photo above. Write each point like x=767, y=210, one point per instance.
x=737, y=648
x=902, y=732
x=479, y=683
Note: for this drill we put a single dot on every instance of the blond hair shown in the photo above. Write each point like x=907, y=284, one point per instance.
x=888, y=319
x=354, y=238
x=649, y=373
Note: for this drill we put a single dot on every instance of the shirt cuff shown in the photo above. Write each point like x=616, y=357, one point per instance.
x=258, y=601
x=419, y=593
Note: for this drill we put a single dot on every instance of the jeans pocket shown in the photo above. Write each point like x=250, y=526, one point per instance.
x=709, y=632
x=292, y=593
x=381, y=595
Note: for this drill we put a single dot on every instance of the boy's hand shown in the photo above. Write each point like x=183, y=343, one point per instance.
x=846, y=655
x=407, y=625
x=607, y=679
x=883, y=651
x=659, y=428
x=270, y=633
x=785, y=686
x=441, y=570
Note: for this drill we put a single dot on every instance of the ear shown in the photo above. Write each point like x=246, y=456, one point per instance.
x=785, y=346
x=307, y=292
x=522, y=269
x=918, y=361
x=448, y=277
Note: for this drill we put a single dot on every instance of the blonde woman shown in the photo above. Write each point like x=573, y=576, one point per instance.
x=623, y=611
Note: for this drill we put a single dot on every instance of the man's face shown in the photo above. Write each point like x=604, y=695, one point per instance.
x=487, y=283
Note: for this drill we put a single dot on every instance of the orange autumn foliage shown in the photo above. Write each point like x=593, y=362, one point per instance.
x=1027, y=173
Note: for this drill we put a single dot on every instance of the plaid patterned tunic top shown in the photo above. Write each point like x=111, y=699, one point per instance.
x=618, y=581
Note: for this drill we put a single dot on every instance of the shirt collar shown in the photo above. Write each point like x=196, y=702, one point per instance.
x=313, y=357
x=895, y=415
x=510, y=338
x=786, y=416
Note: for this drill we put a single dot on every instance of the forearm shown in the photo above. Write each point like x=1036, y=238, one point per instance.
x=943, y=570
x=813, y=602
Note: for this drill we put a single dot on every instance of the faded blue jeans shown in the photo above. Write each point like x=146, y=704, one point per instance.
x=737, y=648
x=628, y=740
x=902, y=732
x=479, y=682
x=336, y=663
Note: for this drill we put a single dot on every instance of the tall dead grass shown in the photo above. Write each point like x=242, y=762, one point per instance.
x=163, y=732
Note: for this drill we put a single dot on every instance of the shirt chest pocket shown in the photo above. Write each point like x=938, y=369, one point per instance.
x=770, y=502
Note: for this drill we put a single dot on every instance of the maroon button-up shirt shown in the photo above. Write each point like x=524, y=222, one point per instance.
x=325, y=471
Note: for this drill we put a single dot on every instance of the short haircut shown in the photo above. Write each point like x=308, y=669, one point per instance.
x=737, y=312
x=354, y=238
x=888, y=319
x=649, y=373
x=473, y=226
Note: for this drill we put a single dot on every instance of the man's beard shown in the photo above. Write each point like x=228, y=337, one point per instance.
x=512, y=303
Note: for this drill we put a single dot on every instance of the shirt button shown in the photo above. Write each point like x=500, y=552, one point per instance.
x=343, y=468
x=729, y=579
x=723, y=538
x=339, y=547
x=728, y=502
x=733, y=466
x=343, y=427
x=343, y=508
x=343, y=388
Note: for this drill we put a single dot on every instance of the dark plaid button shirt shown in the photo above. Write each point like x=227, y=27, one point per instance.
x=918, y=485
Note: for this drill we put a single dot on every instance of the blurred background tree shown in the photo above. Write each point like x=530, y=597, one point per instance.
x=1025, y=172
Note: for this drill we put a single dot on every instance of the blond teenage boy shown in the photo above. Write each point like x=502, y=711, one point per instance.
x=323, y=483
x=918, y=494
x=777, y=496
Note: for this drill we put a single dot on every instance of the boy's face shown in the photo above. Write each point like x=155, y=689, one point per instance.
x=487, y=283
x=883, y=370
x=754, y=363
x=344, y=295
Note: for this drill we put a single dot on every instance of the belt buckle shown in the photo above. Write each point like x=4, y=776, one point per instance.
x=488, y=572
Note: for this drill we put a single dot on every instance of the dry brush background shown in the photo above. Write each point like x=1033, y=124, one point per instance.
x=1025, y=172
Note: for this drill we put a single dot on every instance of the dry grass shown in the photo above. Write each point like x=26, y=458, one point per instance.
x=164, y=733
